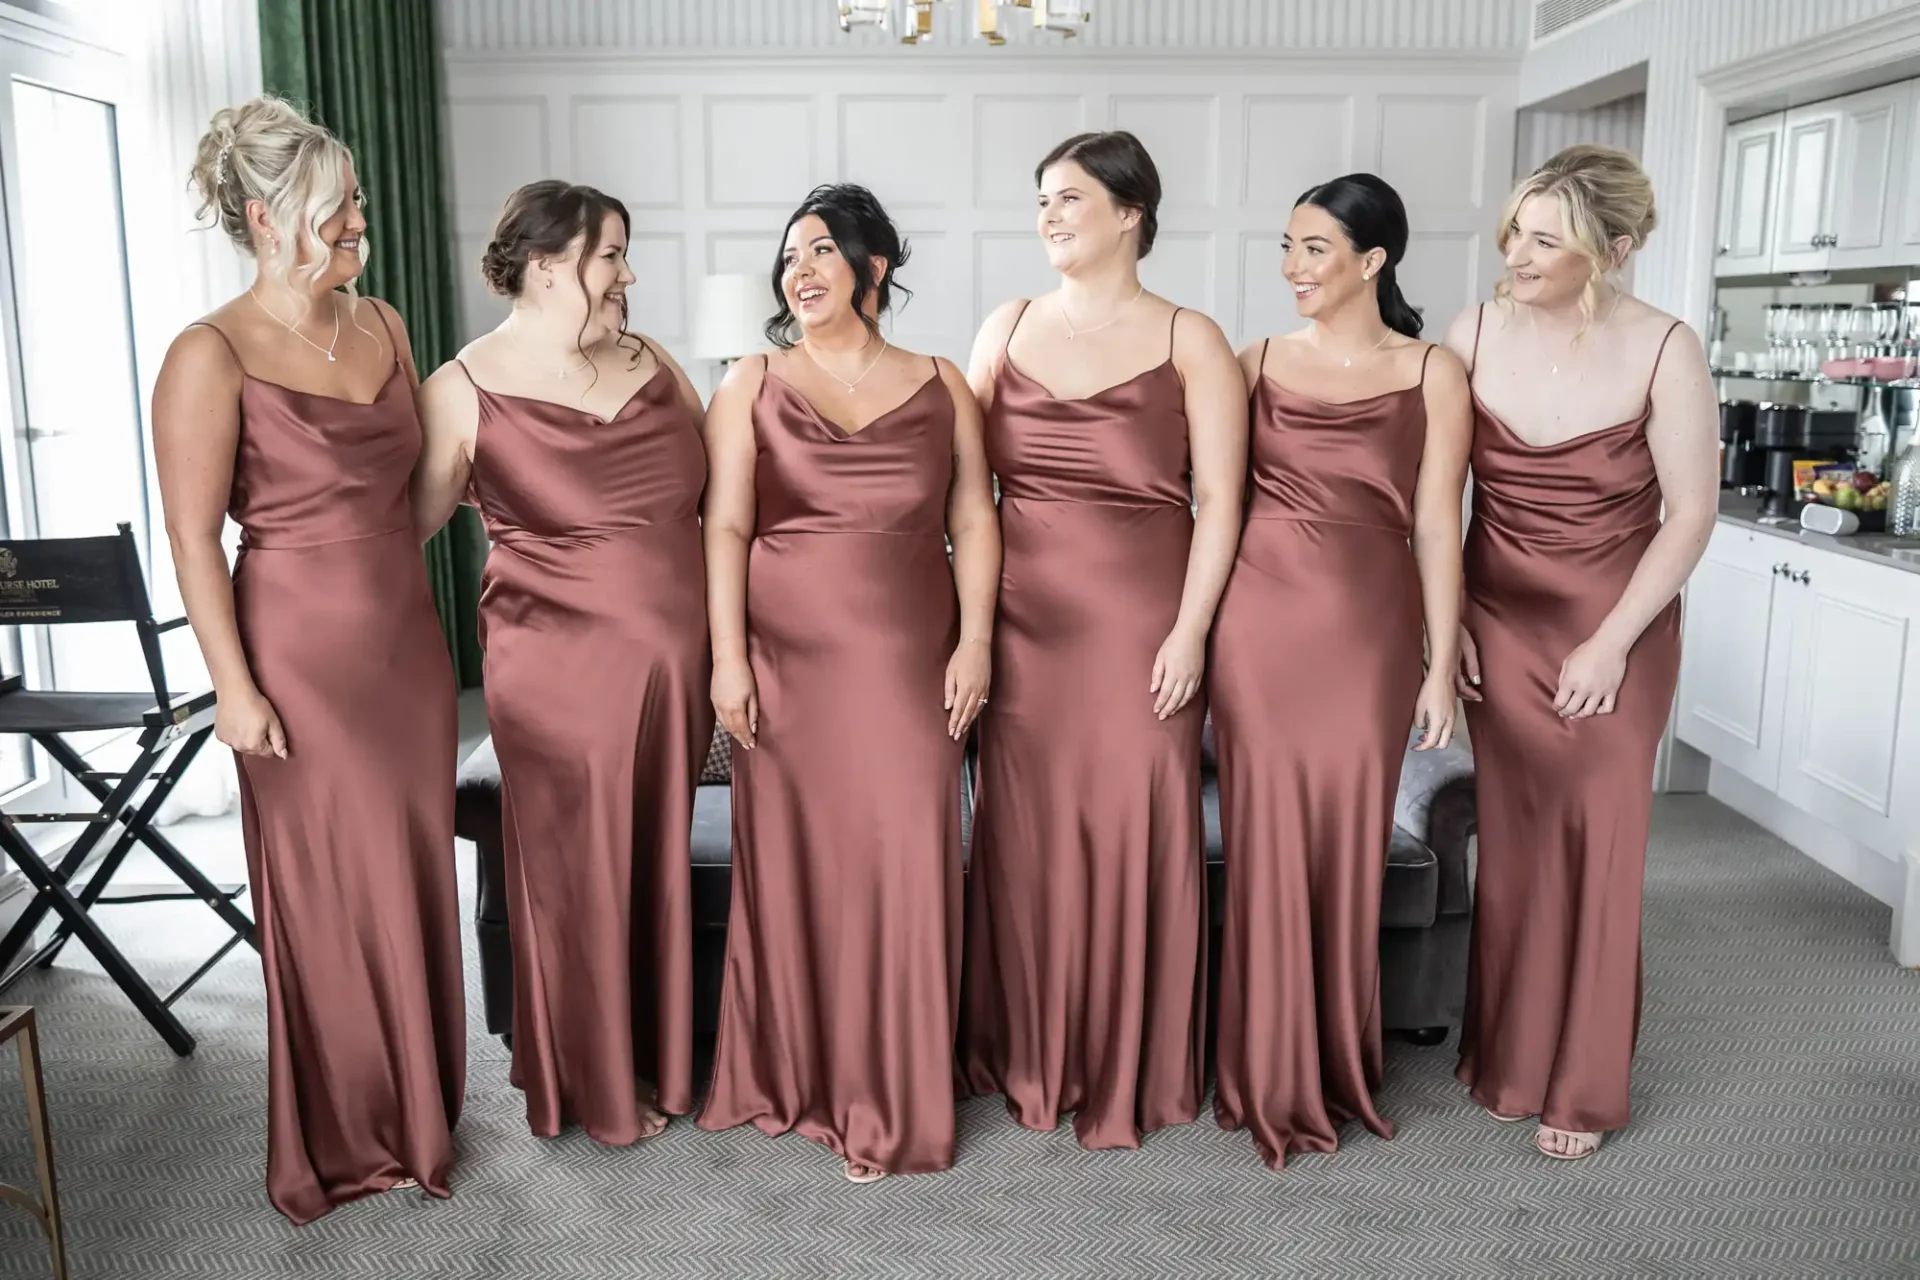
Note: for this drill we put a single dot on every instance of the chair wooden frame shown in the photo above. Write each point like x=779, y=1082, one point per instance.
x=17, y=1024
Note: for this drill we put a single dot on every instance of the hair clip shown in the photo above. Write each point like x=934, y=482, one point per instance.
x=220, y=163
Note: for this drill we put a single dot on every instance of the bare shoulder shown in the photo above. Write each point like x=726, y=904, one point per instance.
x=1445, y=368
x=743, y=378
x=953, y=376
x=659, y=351
x=1461, y=329
x=1196, y=335
x=386, y=311
x=200, y=349
x=998, y=326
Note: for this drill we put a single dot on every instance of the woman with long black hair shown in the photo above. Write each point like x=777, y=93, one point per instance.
x=849, y=658
x=1351, y=548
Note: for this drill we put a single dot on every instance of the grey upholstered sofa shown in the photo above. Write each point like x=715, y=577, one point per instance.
x=1425, y=903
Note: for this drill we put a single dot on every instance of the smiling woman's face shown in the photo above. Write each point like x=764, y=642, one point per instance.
x=1077, y=219
x=1544, y=266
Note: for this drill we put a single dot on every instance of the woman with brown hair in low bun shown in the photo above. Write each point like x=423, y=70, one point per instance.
x=581, y=443
x=290, y=408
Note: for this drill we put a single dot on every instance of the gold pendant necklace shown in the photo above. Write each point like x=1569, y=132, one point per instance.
x=1313, y=336
x=327, y=350
x=808, y=348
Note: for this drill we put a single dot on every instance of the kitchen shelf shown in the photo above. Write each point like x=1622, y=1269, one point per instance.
x=1817, y=379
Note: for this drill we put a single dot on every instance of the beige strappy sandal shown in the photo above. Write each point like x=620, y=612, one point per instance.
x=1584, y=1144
x=866, y=1172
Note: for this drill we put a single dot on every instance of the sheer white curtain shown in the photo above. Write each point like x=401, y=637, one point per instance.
x=186, y=59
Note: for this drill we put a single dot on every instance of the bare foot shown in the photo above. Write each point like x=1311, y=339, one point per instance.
x=653, y=1121
x=1566, y=1144
x=857, y=1172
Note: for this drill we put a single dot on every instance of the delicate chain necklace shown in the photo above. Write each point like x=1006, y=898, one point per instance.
x=568, y=372
x=327, y=350
x=1071, y=331
x=1313, y=336
x=1533, y=321
x=808, y=348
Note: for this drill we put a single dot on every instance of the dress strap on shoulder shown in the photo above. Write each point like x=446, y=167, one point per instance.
x=235, y=351
x=1018, y=316
x=1170, y=326
x=1264, y=344
x=1424, y=360
x=1473, y=361
x=467, y=372
x=381, y=312
x=1658, y=356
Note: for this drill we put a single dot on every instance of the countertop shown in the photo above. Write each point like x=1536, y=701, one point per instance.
x=1874, y=548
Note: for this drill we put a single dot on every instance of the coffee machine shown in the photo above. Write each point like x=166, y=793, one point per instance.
x=1784, y=434
x=1742, y=466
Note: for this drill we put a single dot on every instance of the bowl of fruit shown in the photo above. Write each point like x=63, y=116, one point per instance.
x=1861, y=492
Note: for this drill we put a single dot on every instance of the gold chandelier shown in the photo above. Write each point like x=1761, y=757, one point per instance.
x=913, y=19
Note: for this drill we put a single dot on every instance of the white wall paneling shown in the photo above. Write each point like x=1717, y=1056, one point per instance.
x=1538, y=135
x=1293, y=26
x=711, y=152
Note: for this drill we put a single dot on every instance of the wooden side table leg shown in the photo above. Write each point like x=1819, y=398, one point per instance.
x=42, y=1131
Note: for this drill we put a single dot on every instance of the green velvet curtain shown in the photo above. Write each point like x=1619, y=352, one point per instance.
x=370, y=71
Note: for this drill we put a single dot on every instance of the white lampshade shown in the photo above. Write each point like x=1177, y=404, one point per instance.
x=730, y=315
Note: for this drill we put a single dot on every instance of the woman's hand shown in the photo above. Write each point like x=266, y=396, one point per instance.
x=736, y=701
x=1177, y=672
x=1434, y=711
x=248, y=723
x=1590, y=679
x=969, y=673
x=1466, y=681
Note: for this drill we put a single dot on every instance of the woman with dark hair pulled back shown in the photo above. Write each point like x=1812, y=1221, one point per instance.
x=1350, y=558
x=850, y=657
x=580, y=441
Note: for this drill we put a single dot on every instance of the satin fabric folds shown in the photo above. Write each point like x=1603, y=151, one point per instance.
x=350, y=838
x=843, y=946
x=1553, y=992
x=593, y=620
x=1085, y=988
x=1317, y=663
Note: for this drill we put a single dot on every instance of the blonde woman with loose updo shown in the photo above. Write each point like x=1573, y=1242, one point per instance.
x=290, y=408
x=1595, y=484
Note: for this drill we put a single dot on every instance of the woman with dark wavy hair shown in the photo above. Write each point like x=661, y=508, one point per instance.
x=1351, y=554
x=849, y=659
x=581, y=444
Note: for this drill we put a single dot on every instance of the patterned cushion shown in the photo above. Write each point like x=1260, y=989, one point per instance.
x=719, y=765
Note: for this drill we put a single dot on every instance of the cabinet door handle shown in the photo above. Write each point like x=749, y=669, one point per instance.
x=1725, y=249
x=1803, y=577
x=1780, y=570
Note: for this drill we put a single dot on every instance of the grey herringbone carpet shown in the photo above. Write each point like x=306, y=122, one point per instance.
x=1777, y=1133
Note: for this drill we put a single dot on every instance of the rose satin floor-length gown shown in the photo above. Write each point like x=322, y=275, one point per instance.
x=1317, y=664
x=843, y=947
x=1086, y=909
x=1553, y=991
x=593, y=619
x=350, y=838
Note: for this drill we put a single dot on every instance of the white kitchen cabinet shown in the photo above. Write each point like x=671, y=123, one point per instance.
x=1851, y=704
x=1732, y=687
x=1748, y=180
x=1864, y=226
x=1800, y=670
x=1910, y=186
x=1804, y=194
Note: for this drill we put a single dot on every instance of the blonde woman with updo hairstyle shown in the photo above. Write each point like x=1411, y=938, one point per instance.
x=1595, y=484
x=290, y=408
x=581, y=443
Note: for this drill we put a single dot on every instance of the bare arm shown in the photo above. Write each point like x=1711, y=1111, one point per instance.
x=449, y=420
x=1217, y=441
x=1216, y=404
x=727, y=524
x=973, y=525
x=989, y=347
x=1683, y=434
x=1251, y=358
x=1436, y=507
x=196, y=432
